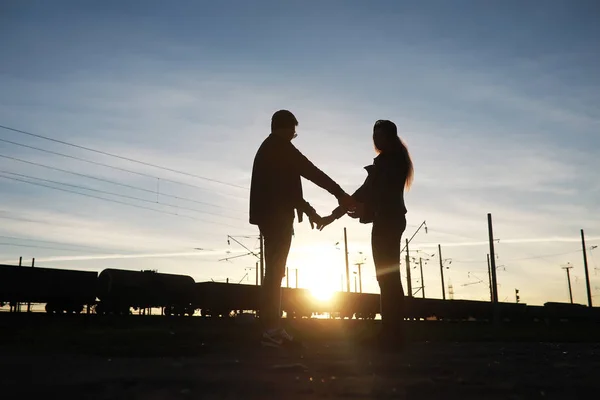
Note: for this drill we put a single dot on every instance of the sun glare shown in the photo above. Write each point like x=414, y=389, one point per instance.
x=322, y=293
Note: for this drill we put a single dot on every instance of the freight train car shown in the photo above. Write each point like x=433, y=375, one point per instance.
x=62, y=290
x=215, y=299
x=119, y=290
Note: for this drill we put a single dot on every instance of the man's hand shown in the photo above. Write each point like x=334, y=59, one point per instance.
x=326, y=221
x=314, y=219
x=347, y=202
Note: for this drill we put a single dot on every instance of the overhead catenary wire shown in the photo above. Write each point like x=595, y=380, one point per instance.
x=116, y=168
x=115, y=183
x=49, y=248
x=118, y=202
x=120, y=195
x=52, y=242
x=122, y=157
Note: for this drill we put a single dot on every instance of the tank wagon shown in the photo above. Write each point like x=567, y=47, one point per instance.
x=119, y=290
x=62, y=290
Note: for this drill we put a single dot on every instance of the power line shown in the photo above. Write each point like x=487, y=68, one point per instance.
x=47, y=247
x=114, y=182
x=113, y=167
x=119, y=195
x=122, y=158
x=51, y=242
x=117, y=201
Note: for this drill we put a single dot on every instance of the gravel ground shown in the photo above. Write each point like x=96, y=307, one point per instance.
x=142, y=364
x=425, y=371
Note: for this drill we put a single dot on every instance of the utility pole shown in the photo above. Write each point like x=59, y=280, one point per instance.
x=262, y=258
x=490, y=279
x=442, y=271
x=347, y=265
x=287, y=277
x=567, y=268
x=587, y=274
x=422, y=281
x=259, y=256
x=408, y=279
x=29, y=303
x=492, y=261
x=517, y=297
x=359, y=265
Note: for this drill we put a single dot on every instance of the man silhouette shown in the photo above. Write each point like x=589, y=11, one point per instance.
x=275, y=196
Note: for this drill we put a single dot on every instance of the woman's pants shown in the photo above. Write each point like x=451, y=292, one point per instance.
x=386, y=240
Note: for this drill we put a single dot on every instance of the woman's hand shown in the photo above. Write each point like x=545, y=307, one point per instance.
x=358, y=211
x=325, y=221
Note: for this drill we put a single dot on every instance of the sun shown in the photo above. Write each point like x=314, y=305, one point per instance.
x=322, y=293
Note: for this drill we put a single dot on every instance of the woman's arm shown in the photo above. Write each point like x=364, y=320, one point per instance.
x=361, y=195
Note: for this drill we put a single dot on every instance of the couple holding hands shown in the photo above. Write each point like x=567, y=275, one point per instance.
x=276, y=198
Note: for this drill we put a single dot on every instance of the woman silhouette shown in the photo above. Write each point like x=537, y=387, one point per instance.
x=381, y=202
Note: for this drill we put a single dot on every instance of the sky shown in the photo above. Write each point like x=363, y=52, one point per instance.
x=498, y=103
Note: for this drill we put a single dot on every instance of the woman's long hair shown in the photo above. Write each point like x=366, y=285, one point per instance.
x=386, y=140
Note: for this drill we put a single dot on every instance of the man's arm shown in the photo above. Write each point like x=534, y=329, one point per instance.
x=309, y=171
x=360, y=195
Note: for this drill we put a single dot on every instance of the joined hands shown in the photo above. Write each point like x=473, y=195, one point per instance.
x=352, y=207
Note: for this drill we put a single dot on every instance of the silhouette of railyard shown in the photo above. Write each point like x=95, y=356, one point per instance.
x=118, y=292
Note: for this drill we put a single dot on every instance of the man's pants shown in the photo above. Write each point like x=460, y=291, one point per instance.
x=385, y=242
x=277, y=242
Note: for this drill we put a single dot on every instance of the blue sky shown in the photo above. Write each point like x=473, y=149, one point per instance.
x=497, y=101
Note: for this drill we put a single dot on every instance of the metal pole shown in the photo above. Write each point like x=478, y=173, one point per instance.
x=569, y=283
x=359, y=278
x=256, y=273
x=347, y=265
x=442, y=272
x=287, y=277
x=490, y=279
x=20, y=261
x=493, y=260
x=29, y=303
x=262, y=259
x=408, y=279
x=422, y=281
x=587, y=274
x=355, y=285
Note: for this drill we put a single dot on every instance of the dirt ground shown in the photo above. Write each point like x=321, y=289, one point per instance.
x=172, y=362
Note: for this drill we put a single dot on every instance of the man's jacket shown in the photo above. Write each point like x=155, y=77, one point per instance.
x=276, y=188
